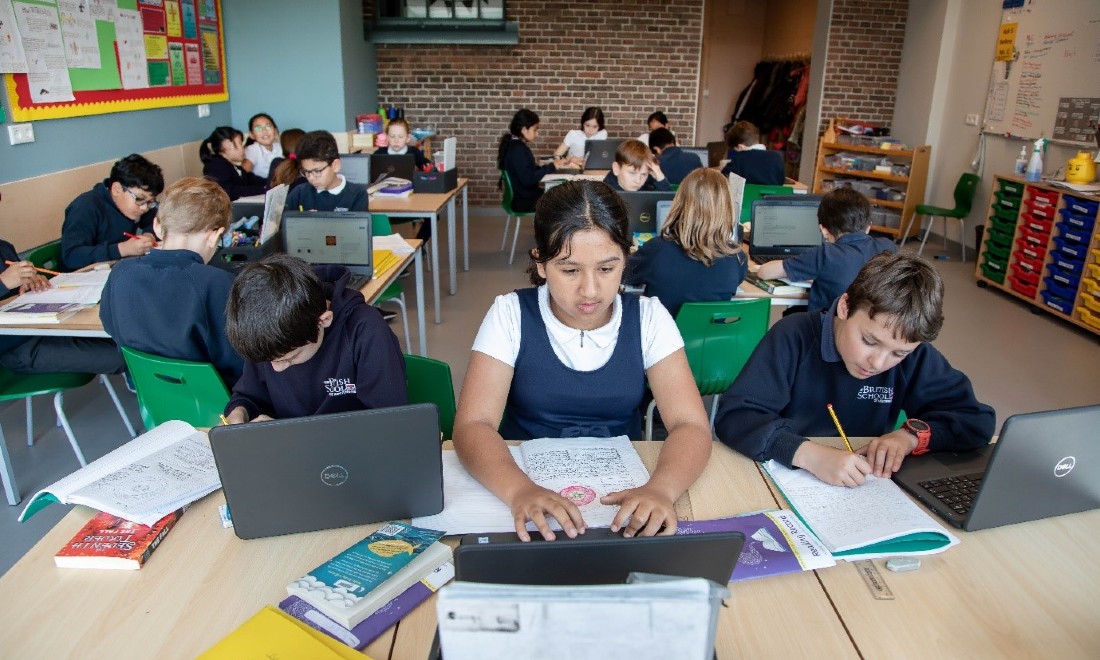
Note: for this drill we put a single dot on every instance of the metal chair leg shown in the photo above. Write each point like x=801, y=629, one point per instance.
x=962, y=236
x=30, y=422
x=118, y=405
x=57, y=401
x=400, y=302
x=504, y=238
x=649, y=419
x=927, y=231
x=908, y=228
x=11, y=490
x=515, y=237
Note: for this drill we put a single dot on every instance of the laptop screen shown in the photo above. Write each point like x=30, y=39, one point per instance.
x=786, y=222
x=356, y=168
x=599, y=154
x=330, y=238
x=400, y=166
x=642, y=210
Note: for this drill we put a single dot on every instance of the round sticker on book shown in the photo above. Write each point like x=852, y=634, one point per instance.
x=579, y=495
x=389, y=548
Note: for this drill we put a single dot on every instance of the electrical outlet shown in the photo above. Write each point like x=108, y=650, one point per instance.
x=204, y=110
x=20, y=133
x=972, y=120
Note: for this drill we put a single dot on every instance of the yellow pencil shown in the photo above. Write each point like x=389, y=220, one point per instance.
x=225, y=420
x=832, y=413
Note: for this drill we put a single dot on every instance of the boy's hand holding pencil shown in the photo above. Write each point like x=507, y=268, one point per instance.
x=135, y=245
x=25, y=276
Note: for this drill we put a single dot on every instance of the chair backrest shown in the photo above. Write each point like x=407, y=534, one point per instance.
x=719, y=337
x=380, y=224
x=506, y=199
x=429, y=381
x=754, y=192
x=176, y=389
x=46, y=256
x=964, y=192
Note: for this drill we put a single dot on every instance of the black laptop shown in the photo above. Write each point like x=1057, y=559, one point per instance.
x=400, y=166
x=599, y=556
x=332, y=237
x=301, y=475
x=599, y=154
x=356, y=168
x=784, y=226
x=645, y=217
x=1044, y=464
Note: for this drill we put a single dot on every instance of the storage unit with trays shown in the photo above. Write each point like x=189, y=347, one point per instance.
x=894, y=195
x=1042, y=244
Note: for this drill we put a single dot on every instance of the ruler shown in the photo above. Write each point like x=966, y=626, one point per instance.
x=873, y=579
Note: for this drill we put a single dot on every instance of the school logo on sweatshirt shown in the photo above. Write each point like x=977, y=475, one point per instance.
x=339, y=386
x=876, y=394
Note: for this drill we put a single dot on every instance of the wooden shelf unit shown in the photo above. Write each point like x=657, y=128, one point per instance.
x=1085, y=301
x=912, y=185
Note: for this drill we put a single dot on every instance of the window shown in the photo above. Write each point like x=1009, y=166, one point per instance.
x=442, y=21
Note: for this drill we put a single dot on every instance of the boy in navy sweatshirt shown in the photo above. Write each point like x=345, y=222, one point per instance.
x=328, y=190
x=312, y=346
x=636, y=168
x=171, y=302
x=115, y=218
x=674, y=161
x=752, y=160
x=867, y=355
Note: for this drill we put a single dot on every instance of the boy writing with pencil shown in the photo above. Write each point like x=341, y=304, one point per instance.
x=311, y=345
x=115, y=218
x=868, y=356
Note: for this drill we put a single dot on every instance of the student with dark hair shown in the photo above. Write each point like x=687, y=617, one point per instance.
x=311, y=345
x=115, y=218
x=222, y=156
x=674, y=161
x=697, y=257
x=514, y=156
x=287, y=169
x=328, y=190
x=263, y=146
x=636, y=168
x=592, y=128
x=750, y=159
x=171, y=302
x=653, y=122
x=868, y=355
x=845, y=220
x=571, y=357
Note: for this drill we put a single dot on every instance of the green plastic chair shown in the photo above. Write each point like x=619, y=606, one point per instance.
x=395, y=293
x=168, y=389
x=964, y=200
x=719, y=337
x=429, y=381
x=46, y=256
x=754, y=192
x=506, y=203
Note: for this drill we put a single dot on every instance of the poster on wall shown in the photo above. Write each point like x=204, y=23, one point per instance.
x=69, y=58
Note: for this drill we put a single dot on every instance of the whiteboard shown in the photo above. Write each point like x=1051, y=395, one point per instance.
x=1046, y=75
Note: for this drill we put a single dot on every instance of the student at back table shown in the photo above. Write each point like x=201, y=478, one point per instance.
x=868, y=355
x=171, y=302
x=515, y=157
x=844, y=217
x=570, y=358
x=328, y=190
x=115, y=218
x=752, y=160
x=636, y=168
x=675, y=162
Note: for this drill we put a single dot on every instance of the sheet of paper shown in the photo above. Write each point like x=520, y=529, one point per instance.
x=450, y=151
x=737, y=192
x=132, y=63
x=467, y=505
x=12, y=59
x=846, y=518
x=84, y=295
x=79, y=33
x=274, y=203
x=47, y=70
x=395, y=243
x=93, y=278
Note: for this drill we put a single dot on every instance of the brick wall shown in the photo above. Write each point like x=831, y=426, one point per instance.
x=864, y=55
x=628, y=58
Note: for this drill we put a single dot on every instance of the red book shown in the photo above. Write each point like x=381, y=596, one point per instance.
x=108, y=541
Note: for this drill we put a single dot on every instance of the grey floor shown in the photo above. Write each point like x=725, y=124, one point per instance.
x=1019, y=362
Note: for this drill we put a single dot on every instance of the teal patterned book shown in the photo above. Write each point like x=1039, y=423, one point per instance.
x=352, y=585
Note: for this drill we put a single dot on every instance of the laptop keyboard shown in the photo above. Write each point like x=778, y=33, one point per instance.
x=777, y=257
x=955, y=492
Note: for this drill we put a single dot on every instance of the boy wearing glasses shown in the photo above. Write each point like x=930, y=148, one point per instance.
x=328, y=190
x=115, y=218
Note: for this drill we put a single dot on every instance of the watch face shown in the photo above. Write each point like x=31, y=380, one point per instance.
x=917, y=425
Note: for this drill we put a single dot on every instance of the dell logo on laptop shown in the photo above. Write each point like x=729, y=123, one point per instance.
x=334, y=475
x=1064, y=466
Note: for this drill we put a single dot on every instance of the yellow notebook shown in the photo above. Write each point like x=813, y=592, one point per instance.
x=272, y=633
x=384, y=260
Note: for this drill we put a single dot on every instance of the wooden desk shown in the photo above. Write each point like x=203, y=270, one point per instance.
x=419, y=205
x=1021, y=591
x=86, y=323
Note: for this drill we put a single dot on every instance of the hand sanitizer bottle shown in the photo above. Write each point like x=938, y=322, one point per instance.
x=1035, y=165
x=1021, y=161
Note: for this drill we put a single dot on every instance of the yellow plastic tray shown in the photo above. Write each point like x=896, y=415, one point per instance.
x=1088, y=317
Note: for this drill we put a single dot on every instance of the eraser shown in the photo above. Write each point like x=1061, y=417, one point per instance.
x=902, y=564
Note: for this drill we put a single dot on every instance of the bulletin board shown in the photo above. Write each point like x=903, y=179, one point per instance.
x=1046, y=72
x=129, y=55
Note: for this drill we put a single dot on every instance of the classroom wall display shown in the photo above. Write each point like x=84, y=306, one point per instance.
x=1045, y=80
x=70, y=58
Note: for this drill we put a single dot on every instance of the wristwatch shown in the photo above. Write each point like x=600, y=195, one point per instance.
x=923, y=433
